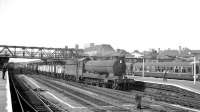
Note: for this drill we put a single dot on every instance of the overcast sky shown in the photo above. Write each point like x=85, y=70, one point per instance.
x=125, y=24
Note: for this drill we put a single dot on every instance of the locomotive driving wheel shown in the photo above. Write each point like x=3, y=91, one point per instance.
x=115, y=85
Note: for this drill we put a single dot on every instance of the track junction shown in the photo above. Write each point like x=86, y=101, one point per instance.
x=72, y=96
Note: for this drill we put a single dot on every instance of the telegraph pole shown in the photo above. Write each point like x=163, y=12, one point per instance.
x=143, y=67
x=194, y=70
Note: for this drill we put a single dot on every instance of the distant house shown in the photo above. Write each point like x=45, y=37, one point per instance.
x=122, y=52
x=195, y=53
x=99, y=50
x=133, y=57
x=180, y=55
x=173, y=55
x=167, y=55
x=137, y=54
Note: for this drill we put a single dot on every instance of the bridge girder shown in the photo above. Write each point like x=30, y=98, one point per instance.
x=43, y=53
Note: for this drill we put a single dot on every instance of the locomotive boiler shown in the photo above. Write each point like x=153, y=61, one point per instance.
x=114, y=67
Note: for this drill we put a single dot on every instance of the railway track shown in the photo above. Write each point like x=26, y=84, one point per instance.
x=129, y=96
x=26, y=100
x=115, y=97
x=126, y=97
x=173, y=95
x=93, y=103
x=159, y=93
x=18, y=102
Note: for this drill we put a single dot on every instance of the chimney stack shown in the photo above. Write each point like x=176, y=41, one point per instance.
x=91, y=44
x=158, y=50
x=76, y=46
x=180, y=49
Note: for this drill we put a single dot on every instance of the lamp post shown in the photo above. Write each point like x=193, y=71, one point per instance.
x=143, y=66
x=194, y=70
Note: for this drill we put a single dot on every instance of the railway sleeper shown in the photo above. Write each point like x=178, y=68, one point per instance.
x=173, y=89
x=179, y=101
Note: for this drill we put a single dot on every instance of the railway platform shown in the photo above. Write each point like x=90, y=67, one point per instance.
x=5, y=97
x=183, y=84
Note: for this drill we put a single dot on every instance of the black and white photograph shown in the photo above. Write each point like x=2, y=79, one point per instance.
x=99, y=56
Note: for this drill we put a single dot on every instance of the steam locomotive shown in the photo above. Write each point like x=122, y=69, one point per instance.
x=104, y=73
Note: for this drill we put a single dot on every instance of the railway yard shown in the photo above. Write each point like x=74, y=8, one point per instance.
x=62, y=96
x=113, y=83
x=99, y=56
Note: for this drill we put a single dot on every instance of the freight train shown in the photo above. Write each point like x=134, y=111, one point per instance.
x=104, y=73
x=175, y=70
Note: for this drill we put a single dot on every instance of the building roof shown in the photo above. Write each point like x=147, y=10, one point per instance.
x=99, y=50
x=136, y=54
x=168, y=54
x=164, y=54
x=195, y=52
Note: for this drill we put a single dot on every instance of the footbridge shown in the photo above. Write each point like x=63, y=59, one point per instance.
x=43, y=53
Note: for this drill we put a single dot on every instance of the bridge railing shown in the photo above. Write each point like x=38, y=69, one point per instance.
x=37, y=52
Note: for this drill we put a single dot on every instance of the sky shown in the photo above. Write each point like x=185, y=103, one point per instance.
x=125, y=24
